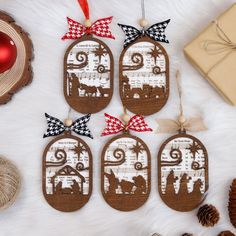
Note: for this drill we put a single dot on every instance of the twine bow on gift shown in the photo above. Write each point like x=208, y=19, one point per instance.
x=181, y=124
x=115, y=125
x=218, y=46
x=99, y=28
x=57, y=127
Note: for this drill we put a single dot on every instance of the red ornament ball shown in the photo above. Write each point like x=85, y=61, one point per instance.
x=8, y=52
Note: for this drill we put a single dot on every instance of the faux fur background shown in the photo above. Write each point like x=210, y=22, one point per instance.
x=22, y=121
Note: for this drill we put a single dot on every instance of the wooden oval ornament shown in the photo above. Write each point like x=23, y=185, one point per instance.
x=182, y=172
x=88, y=75
x=20, y=74
x=67, y=173
x=144, y=76
x=126, y=172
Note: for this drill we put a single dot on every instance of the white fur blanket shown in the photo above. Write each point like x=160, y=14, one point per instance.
x=22, y=121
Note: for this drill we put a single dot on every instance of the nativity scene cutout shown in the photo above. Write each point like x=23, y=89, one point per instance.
x=126, y=173
x=144, y=77
x=88, y=75
x=183, y=173
x=67, y=170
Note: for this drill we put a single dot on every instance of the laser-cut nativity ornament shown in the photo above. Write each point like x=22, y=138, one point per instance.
x=125, y=165
x=182, y=164
x=67, y=165
x=16, y=53
x=144, y=68
x=88, y=64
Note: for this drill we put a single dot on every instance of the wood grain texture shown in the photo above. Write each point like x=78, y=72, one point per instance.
x=125, y=179
x=148, y=98
x=182, y=172
x=95, y=97
x=67, y=173
x=21, y=73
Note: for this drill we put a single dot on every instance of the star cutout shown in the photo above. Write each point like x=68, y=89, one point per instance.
x=155, y=53
x=100, y=52
x=137, y=148
x=78, y=150
x=194, y=148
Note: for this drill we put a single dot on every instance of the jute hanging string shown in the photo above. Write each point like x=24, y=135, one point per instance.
x=181, y=124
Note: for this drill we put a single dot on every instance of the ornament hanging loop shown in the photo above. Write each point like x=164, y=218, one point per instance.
x=143, y=22
x=181, y=117
x=85, y=8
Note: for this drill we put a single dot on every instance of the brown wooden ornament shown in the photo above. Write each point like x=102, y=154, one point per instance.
x=232, y=203
x=144, y=76
x=67, y=173
x=126, y=172
x=88, y=75
x=20, y=74
x=182, y=172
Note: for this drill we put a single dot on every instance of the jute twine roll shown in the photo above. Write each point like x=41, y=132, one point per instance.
x=12, y=76
x=10, y=182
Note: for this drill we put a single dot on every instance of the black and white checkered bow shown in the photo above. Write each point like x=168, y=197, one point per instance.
x=155, y=32
x=56, y=127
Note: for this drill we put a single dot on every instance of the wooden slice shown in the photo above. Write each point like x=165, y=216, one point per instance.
x=88, y=75
x=126, y=172
x=182, y=172
x=21, y=72
x=144, y=76
x=67, y=173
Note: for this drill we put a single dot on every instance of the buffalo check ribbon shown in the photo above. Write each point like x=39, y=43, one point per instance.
x=114, y=125
x=57, y=127
x=155, y=32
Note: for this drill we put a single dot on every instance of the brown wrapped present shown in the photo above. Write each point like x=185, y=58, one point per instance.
x=213, y=53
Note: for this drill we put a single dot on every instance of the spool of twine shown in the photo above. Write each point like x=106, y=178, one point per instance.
x=10, y=182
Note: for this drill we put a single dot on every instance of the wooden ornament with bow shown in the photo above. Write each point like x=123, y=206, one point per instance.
x=182, y=162
x=181, y=124
x=125, y=163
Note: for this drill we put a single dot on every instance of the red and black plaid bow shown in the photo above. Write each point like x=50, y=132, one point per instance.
x=114, y=125
x=99, y=28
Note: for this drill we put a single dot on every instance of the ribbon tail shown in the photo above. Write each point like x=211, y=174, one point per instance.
x=138, y=124
x=131, y=34
x=101, y=28
x=195, y=125
x=167, y=126
x=75, y=30
x=113, y=125
x=80, y=126
x=157, y=31
x=55, y=126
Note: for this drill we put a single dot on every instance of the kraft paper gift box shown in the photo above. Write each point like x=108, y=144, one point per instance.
x=213, y=53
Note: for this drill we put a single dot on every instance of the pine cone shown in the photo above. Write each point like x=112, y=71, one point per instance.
x=232, y=203
x=226, y=233
x=208, y=215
